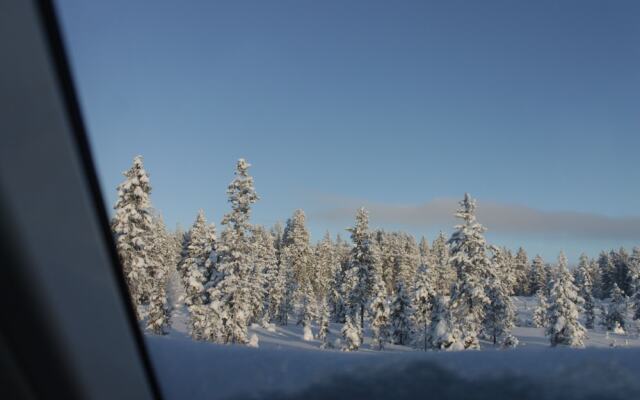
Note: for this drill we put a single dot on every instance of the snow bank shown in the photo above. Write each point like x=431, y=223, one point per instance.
x=195, y=370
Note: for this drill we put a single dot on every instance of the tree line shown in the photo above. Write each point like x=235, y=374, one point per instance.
x=446, y=294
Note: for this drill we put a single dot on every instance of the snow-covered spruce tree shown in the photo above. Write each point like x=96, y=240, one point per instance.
x=326, y=267
x=408, y=260
x=282, y=308
x=163, y=261
x=443, y=333
x=196, y=269
x=469, y=258
x=616, y=316
x=400, y=315
x=634, y=270
x=298, y=257
x=425, y=252
x=521, y=273
x=504, y=266
x=622, y=275
x=500, y=312
x=266, y=275
x=351, y=334
x=607, y=273
x=445, y=274
x=423, y=297
x=132, y=228
x=563, y=326
x=388, y=246
x=540, y=312
x=537, y=275
x=359, y=278
x=380, y=316
x=327, y=278
x=583, y=280
x=230, y=293
x=323, y=331
x=338, y=298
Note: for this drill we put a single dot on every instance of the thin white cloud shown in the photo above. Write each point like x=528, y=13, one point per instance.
x=497, y=217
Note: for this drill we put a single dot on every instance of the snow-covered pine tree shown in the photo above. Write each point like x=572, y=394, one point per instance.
x=540, y=312
x=196, y=269
x=265, y=274
x=443, y=334
x=282, y=308
x=445, y=274
x=359, y=278
x=622, y=276
x=298, y=258
x=583, y=280
x=423, y=297
x=537, y=275
x=634, y=271
x=323, y=331
x=563, y=326
x=230, y=293
x=132, y=228
x=504, y=265
x=499, y=311
x=338, y=297
x=607, y=274
x=400, y=315
x=521, y=272
x=425, y=252
x=351, y=334
x=380, y=316
x=616, y=315
x=469, y=258
x=389, y=247
x=408, y=261
x=326, y=267
x=163, y=261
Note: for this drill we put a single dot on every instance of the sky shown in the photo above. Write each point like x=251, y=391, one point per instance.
x=399, y=106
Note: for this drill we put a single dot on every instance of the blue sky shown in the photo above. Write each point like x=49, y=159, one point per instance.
x=394, y=105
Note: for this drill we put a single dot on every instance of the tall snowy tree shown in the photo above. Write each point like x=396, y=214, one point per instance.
x=408, y=259
x=607, y=273
x=380, y=315
x=423, y=297
x=265, y=275
x=425, y=252
x=444, y=272
x=400, y=315
x=469, y=258
x=196, y=269
x=563, y=327
x=298, y=257
x=585, y=284
x=634, y=271
x=323, y=331
x=537, y=275
x=521, y=270
x=499, y=311
x=133, y=228
x=338, y=296
x=359, y=278
x=230, y=295
x=163, y=260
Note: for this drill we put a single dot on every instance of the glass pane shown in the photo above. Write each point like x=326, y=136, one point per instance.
x=313, y=189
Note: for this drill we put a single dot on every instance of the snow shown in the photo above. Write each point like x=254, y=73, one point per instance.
x=284, y=363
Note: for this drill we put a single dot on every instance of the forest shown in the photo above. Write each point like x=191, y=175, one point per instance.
x=448, y=294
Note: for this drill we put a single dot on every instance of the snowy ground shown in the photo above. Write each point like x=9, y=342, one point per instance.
x=285, y=365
